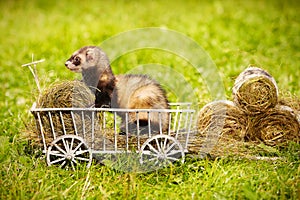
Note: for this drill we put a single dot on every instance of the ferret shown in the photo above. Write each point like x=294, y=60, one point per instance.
x=121, y=91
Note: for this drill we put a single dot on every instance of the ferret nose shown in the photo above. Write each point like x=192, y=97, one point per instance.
x=67, y=63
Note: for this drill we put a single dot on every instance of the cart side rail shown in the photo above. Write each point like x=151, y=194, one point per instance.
x=100, y=127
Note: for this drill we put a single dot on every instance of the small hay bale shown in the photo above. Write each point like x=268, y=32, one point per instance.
x=66, y=94
x=291, y=101
x=288, y=99
x=277, y=127
x=255, y=91
x=216, y=120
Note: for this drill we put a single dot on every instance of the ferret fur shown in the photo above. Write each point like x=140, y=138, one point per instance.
x=121, y=91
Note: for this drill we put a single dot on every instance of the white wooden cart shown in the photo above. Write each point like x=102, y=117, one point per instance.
x=73, y=136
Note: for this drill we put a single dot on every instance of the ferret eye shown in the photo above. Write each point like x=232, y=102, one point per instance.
x=76, y=61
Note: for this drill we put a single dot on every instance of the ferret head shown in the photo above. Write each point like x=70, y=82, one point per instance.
x=87, y=57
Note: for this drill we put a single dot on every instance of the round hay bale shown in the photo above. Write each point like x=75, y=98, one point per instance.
x=255, y=91
x=67, y=94
x=217, y=120
x=277, y=127
x=291, y=101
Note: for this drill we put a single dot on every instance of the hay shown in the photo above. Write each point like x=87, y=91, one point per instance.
x=255, y=91
x=257, y=116
x=291, y=101
x=277, y=126
x=122, y=140
x=218, y=119
x=224, y=129
x=131, y=140
x=231, y=147
x=66, y=94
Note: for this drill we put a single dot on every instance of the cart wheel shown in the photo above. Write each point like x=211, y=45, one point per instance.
x=160, y=150
x=68, y=151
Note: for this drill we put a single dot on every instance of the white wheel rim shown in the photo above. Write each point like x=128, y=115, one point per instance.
x=69, y=151
x=161, y=150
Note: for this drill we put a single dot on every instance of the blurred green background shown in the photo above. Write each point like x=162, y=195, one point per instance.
x=234, y=33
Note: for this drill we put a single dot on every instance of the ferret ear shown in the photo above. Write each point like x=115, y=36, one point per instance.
x=90, y=55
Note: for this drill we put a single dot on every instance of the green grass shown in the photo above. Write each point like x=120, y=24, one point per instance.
x=234, y=33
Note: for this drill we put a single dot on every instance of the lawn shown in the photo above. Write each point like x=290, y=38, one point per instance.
x=230, y=35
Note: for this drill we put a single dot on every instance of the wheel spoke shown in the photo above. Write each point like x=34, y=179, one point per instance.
x=73, y=160
x=60, y=149
x=65, y=145
x=79, y=145
x=153, y=149
x=165, y=143
x=54, y=151
x=81, y=152
x=83, y=159
x=170, y=147
x=72, y=142
x=56, y=154
x=154, y=158
x=158, y=145
x=62, y=165
x=73, y=167
x=148, y=153
x=58, y=160
x=173, y=152
x=172, y=158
